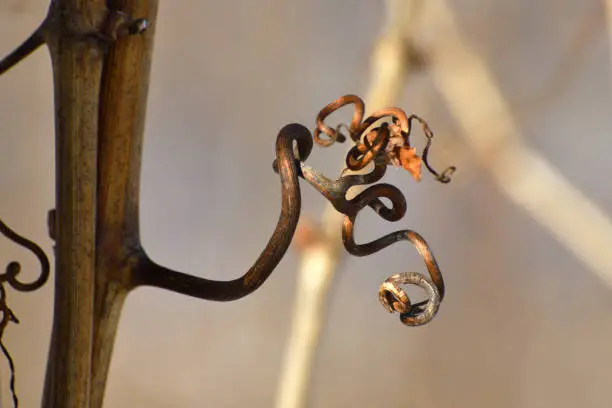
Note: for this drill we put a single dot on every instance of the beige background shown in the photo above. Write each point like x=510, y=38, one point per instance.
x=524, y=324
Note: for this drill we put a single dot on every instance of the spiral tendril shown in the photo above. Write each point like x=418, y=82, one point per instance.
x=383, y=145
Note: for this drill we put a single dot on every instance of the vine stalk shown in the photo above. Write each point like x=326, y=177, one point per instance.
x=101, y=81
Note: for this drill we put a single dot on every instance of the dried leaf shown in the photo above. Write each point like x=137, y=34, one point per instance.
x=410, y=161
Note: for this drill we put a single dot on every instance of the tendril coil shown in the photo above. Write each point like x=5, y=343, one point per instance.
x=10, y=276
x=387, y=143
x=14, y=268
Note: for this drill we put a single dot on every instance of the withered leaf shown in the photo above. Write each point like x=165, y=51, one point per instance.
x=410, y=161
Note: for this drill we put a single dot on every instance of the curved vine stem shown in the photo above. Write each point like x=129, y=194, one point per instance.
x=149, y=273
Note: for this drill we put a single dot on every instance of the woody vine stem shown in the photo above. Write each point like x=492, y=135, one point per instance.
x=101, y=54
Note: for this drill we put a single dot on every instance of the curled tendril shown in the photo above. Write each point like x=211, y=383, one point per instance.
x=293, y=146
x=379, y=145
x=10, y=277
x=14, y=268
x=335, y=191
x=393, y=138
x=394, y=299
x=334, y=135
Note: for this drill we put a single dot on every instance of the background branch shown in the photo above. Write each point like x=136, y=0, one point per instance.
x=522, y=174
x=321, y=259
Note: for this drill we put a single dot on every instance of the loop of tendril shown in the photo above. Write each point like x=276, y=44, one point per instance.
x=10, y=276
x=384, y=144
x=391, y=138
x=14, y=268
x=394, y=299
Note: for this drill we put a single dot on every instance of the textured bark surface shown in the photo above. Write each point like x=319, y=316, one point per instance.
x=77, y=68
x=123, y=97
x=101, y=89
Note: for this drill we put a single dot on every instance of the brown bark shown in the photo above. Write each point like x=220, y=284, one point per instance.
x=123, y=98
x=101, y=80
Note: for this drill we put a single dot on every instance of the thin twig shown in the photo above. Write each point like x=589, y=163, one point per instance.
x=8, y=316
x=148, y=272
x=30, y=45
x=320, y=261
x=11, y=364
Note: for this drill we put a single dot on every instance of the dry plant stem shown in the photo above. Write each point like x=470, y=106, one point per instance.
x=123, y=98
x=318, y=265
x=149, y=273
x=100, y=88
x=521, y=173
x=77, y=67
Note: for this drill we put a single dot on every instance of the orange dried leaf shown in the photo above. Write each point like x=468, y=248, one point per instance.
x=410, y=161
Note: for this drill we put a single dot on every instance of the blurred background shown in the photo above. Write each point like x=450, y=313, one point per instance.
x=527, y=321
